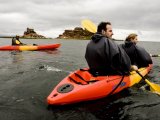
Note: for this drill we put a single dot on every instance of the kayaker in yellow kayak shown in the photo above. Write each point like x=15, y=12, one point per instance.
x=138, y=55
x=104, y=56
x=16, y=41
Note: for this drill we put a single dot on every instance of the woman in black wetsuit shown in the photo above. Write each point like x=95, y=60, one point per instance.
x=138, y=55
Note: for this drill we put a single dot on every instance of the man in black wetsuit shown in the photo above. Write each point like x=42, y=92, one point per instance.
x=104, y=56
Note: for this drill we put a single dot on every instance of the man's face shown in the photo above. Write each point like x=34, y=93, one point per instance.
x=108, y=32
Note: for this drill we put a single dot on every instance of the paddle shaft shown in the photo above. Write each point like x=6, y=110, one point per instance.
x=140, y=74
x=153, y=87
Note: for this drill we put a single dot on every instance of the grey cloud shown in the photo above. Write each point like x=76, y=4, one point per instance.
x=55, y=14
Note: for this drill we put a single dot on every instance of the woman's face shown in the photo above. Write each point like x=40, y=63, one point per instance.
x=135, y=40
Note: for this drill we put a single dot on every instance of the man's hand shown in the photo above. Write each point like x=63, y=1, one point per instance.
x=134, y=67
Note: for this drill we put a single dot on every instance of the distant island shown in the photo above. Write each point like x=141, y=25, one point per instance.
x=31, y=34
x=28, y=34
x=76, y=33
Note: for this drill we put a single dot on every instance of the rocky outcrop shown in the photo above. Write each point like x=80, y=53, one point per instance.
x=77, y=33
x=30, y=33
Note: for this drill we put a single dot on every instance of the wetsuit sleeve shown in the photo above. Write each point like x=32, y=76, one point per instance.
x=119, y=59
x=13, y=41
x=144, y=59
x=123, y=62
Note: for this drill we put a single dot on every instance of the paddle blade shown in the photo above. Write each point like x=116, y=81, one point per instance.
x=153, y=87
x=89, y=25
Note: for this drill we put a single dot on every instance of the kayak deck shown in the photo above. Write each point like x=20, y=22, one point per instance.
x=82, y=86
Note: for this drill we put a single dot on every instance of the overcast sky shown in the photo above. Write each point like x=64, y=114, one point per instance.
x=51, y=17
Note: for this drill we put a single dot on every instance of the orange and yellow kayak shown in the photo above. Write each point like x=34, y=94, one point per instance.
x=82, y=86
x=30, y=47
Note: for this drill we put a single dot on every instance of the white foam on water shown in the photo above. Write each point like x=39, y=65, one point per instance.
x=52, y=69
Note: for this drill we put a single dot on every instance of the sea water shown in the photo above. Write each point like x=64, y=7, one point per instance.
x=28, y=77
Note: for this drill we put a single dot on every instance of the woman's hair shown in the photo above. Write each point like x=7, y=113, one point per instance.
x=102, y=26
x=131, y=36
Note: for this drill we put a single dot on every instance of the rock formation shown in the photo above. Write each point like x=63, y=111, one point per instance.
x=77, y=33
x=30, y=33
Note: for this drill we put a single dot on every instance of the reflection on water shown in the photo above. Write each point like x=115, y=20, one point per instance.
x=16, y=56
x=56, y=51
x=129, y=104
x=109, y=108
